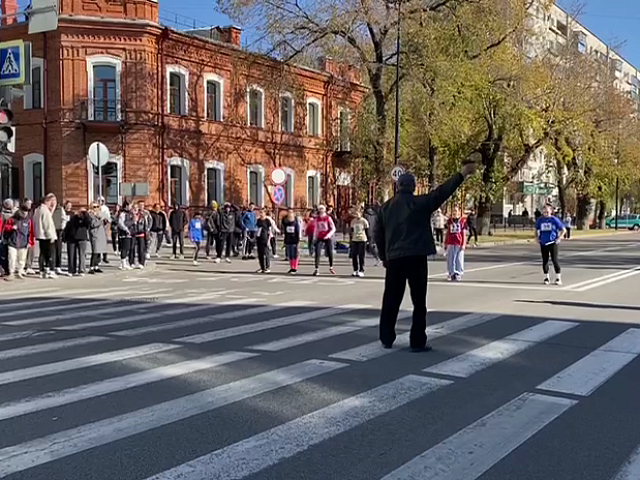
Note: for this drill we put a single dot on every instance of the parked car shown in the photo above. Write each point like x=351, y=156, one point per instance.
x=632, y=222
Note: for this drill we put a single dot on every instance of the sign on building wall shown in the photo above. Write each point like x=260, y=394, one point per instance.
x=12, y=64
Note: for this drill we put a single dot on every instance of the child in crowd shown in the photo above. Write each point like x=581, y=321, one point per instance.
x=18, y=235
x=196, y=235
x=455, y=243
x=291, y=229
x=359, y=228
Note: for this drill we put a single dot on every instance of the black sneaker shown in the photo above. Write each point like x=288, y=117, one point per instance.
x=290, y=271
x=387, y=346
x=316, y=272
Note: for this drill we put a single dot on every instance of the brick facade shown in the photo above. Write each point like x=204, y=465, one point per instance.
x=145, y=139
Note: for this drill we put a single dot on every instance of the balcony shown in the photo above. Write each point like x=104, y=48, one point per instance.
x=101, y=114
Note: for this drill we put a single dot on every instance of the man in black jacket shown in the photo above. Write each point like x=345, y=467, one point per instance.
x=404, y=239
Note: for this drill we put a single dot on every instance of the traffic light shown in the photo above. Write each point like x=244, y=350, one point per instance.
x=6, y=130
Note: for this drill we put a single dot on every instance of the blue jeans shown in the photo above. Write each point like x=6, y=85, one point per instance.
x=455, y=260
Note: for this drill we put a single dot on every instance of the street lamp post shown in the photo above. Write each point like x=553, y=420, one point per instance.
x=617, y=202
x=396, y=156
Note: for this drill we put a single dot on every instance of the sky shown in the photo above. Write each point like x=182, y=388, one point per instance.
x=615, y=21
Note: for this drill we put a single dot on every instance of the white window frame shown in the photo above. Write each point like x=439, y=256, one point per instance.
x=91, y=196
x=184, y=88
x=28, y=89
x=259, y=169
x=314, y=201
x=186, y=183
x=346, y=110
x=261, y=90
x=104, y=60
x=317, y=102
x=29, y=160
x=290, y=186
x=212, y=77
x=218, y=166
x=292, y=115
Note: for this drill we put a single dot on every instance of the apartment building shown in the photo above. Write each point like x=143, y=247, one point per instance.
x=553, y=29
x=191, y=116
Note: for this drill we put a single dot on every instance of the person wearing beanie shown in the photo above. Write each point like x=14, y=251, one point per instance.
x=405, y=241
x=212, y=227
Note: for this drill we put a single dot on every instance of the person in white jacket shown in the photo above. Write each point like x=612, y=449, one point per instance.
x=44, y=230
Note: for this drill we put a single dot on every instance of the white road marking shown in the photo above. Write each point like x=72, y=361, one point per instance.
x=17, y=335
x=373, y=350
x=627, y=274
x=69, y=295
x=472, y=451
x=471, y=362
x=316, y=335
x=59, y=445
x=82, y=362
x=117, y=384
x=265, y=449
x=48, y=347
x=212, y=318
x=576, y=286
x=91, y=312
x=631, y=468
x=481, y=269
x=269, y=324
x=586, y=375
x=150, y=315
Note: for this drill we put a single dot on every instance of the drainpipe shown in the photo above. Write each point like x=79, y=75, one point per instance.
x=45, y=131
x=161, y=103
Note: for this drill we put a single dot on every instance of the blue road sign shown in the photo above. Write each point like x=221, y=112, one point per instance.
x=12, y=63
x=277, y=194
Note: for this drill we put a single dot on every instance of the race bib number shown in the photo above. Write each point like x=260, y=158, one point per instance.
x=323, y=226
x=198, y=225
x=358, y=229
x=455, y=228
x=291, y=229
x=546, y=227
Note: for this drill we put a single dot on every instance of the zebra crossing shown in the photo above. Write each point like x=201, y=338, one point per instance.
x=197, y=386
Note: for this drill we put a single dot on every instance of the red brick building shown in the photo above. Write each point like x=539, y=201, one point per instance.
x=193, y=115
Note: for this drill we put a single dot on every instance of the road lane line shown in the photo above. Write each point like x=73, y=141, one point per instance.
x=59, y=445
x=82, y=362
x=471, y=362
x=472, y=451
x=314, y=336
x=90, y=312
x=117, y=384
x=481, y=269
x=48, y=347
x=588, y=374
x=212, y=318
x=631, y=468
x=269, y=324
x=373, y=350
x=265, y=449
x=618, y=273
x=150, y=315
x=631, y=273
x=77, y=295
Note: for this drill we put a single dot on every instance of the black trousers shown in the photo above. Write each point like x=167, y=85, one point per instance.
x=439, y=235
x=125, y=247
x=139, y=246
x=550, y=250
x=177, y=238
x=473, y=232
x=226, y=241
x=76, y=250
x=568, y=232
x=58, y=262
x=45, y=260
x=95, y=260
x=217, y=239
x=328, y=247
x=274, y=246
x=357, y=255
x=197, y=251
x=263, y=255
x=414, y=270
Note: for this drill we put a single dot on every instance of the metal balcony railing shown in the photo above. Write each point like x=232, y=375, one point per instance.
x=103, y=110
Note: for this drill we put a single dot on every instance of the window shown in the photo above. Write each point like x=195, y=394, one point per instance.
x=110, y=182
x=289, y=188
x=256, y=184
x=177, y=84
x=343, y=131
x=178, y=176
x=256, y=106
x=581, y=42
x=104, y=93
x=313, y=188
x=313, y=117
x=33, y=168
x=104, y=74
x=562, y=28
x=214, y=97
x=286, y=113
x=214, y=182
x=33, y=94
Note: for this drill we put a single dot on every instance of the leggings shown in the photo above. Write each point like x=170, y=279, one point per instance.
x=357, y=255
x=195, y=254
x=328, y=246
x=550, y=250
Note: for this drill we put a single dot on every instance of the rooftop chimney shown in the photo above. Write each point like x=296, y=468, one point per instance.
x=9, y=12
x=231, y=34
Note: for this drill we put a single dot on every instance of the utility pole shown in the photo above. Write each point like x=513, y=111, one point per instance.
x=396, y=157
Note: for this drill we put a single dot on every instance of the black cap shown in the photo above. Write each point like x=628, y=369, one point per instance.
x=407, y=183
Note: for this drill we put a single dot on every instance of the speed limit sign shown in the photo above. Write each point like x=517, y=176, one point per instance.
x=396, y=172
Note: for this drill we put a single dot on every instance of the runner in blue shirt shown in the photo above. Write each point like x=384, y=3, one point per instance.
x=550, y=230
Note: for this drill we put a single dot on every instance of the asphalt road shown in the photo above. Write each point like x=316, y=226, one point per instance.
x=214, y=372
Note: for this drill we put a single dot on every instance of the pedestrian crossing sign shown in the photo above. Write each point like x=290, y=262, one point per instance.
x=12, y=62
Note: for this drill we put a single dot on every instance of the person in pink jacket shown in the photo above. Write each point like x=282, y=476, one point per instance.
x=324, y=230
